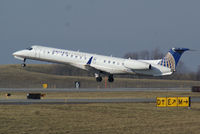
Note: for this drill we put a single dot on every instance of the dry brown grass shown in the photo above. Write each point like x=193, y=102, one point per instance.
x=99, y=118
x=128, y=118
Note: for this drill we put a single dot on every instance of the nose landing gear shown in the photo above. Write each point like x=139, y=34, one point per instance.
x=24, y=63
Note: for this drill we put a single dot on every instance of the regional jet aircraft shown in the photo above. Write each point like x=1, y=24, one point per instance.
x=100, y=64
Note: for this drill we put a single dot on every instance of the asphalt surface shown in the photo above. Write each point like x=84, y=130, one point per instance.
x=81, y=101
x=71, y=101
x=34, y=90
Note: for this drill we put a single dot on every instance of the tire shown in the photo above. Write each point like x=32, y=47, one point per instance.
x=110, y=79
x=99, y=79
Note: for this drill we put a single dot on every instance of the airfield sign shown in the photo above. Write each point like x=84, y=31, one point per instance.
x=184, y=101
x=161, y=101
x=173, y=101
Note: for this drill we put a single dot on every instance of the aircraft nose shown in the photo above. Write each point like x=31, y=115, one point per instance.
x=15, y=53
x=18, y=53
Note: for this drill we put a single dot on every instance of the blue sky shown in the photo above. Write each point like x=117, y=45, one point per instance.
x=110, y=27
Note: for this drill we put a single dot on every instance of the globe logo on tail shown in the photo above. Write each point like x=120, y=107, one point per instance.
x=172, y=58
x=168, y=61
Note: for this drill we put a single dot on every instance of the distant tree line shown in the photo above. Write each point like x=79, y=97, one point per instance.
x=145, y=54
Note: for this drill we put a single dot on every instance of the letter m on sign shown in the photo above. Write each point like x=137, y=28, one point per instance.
x=184, y=101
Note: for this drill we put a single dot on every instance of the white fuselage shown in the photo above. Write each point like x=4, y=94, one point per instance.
x=107, y=64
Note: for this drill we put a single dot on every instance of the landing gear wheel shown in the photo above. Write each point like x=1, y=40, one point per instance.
x=99, y=79
x=110, y=78
x=23, y=65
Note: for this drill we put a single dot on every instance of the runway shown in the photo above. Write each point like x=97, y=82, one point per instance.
x=85, y=101
x=82, y=101
x=73, y=101
x=40, y=90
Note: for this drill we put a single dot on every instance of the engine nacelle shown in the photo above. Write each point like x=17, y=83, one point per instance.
x=137, y=65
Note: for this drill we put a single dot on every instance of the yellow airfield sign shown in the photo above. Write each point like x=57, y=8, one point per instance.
x=173, y=101
x=184, y=101
x=161, y=101
x=44, y=86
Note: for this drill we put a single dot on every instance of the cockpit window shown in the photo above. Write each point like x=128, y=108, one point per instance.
x=30, y=48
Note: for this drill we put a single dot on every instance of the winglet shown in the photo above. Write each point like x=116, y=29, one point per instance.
x=90, y=61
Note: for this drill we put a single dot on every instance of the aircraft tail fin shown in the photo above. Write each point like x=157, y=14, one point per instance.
x=172, y=58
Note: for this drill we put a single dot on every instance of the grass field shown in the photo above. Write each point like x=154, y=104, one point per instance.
x=118, y=118
x=33, y=76
x=99, y=118
x=96, y=118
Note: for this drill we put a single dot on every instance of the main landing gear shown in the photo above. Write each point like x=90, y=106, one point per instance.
x=110, y=78
x=99, y=78
x=24, y=63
